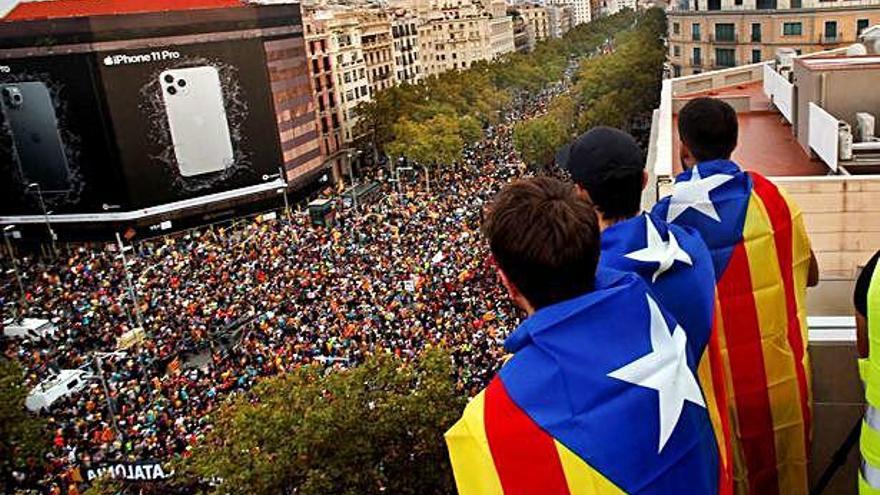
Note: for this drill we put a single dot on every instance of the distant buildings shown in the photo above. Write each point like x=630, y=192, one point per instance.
x=712, y=34
x=559, y=19
x=405, y=47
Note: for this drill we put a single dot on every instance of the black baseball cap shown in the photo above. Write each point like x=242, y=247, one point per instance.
x=603, y=153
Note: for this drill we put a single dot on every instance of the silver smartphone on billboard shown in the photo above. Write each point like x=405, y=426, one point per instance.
x=30, y=114
x=197, y=120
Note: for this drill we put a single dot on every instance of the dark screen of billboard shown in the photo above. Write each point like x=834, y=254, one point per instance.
x=191, y=120
x=53, y=138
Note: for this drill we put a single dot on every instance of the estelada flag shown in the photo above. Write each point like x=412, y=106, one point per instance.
x=677, y=266
x=761, y=255
x=600, y=397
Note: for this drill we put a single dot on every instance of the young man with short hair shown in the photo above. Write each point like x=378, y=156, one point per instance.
x=600, y=395
x=608, y=167
x=763, y=264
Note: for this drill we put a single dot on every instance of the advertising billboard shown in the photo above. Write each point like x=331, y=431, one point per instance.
x=53, y=140
x=191, y=119
x=118, y=114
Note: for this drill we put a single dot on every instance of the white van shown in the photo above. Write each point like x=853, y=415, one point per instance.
x=66, y=382
x=29, y=328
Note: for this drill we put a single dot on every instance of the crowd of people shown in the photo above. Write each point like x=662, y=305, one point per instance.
x=224, y=305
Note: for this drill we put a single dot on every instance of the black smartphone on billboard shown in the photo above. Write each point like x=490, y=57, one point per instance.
x=28, y=109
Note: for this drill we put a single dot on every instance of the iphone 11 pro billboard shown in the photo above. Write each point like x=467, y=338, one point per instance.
x=132, y=128
x=192, y=119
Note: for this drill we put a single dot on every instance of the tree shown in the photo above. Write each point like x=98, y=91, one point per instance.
x=538, y=139
x=435, y=141
x=23, y=439
x=374, y=428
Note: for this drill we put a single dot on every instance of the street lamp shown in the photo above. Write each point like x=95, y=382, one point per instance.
x=7, y=231
x=283, y=191
x=52, y=236
x=99, y=364
x=131, y=290
x=354, y=196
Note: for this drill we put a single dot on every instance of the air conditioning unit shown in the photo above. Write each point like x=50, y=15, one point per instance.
x=845, y=141
x=864, y=127
x=870, y=37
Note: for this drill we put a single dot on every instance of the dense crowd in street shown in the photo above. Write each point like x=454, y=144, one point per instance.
x=405, y=271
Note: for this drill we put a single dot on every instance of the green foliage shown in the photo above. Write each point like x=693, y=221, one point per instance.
x=437, y=140
x=626, y=82
x=22, y=436
x=377, y=427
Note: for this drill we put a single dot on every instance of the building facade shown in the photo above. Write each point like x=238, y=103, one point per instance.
x=581, y=10
x=320, y=62
x=558, y=20
x=405, y=47
x=705, y=35
x=535, y=17
x=453, y=38
x=376, y=43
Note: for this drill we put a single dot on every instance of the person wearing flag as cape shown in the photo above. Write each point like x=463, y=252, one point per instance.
x=600, y=395
x=608, y=168
x=763, y=264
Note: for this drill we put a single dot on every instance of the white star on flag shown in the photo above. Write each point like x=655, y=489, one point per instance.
x=659, y=251
x=665, y=370
x=694, y=193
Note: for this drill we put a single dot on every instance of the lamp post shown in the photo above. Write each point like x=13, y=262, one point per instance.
x=7, y=231
x=99, y=364
x=354, y=195
x=52, y=236
x=128, y=278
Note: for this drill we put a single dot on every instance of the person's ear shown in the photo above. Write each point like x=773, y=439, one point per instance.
x=644, y=179
x=514, y=293
x=686, y=157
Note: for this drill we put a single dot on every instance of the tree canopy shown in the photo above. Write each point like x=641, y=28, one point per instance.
x=374, y=428
x=22, y=435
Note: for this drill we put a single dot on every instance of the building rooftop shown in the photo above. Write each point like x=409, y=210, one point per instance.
x=766, y=142
x=51, y=9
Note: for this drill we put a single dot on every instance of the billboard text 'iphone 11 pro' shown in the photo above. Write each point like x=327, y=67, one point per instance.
x=30, y=114
x=197, y=119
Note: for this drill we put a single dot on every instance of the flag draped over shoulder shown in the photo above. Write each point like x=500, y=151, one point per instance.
x=600, y=397
x=761, y=256
x=677, y=266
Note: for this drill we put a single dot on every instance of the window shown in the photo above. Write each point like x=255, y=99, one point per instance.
x=792, y=29
x=676, y=51
x=756, y=56
x=756, y=33
x=698, y=57
x=714, y=4
x=830, y=30
x=724, y=32
x=676, y=71
x=695, y=32
x=766, y=4
x=795, y=4
x=725, y=57
x=861, y=25
x=676, y=28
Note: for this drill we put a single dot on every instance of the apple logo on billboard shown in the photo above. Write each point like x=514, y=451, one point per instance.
x=108, y=60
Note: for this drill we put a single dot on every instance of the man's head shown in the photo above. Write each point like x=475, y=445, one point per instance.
x=609, y=167
x=545, y=241
x=708, y=129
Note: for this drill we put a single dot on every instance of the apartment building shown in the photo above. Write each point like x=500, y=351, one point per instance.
x=320, y=65
x=347, y=63
x=376, y=44
x=559, y=20
x=405, y=46
x=535, y=17
x=581, y=10
x=710, y=34
x=454, y=37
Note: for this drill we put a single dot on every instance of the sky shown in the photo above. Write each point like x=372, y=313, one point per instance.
x=6, y=6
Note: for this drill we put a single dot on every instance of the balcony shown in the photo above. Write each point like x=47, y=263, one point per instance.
x=696, y=62
x=723, y=64
x=725, y=39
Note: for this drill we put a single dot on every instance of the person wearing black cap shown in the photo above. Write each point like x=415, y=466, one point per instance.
x=609, y=169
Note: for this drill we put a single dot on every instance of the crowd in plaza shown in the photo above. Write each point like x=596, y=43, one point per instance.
x=405, y=271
